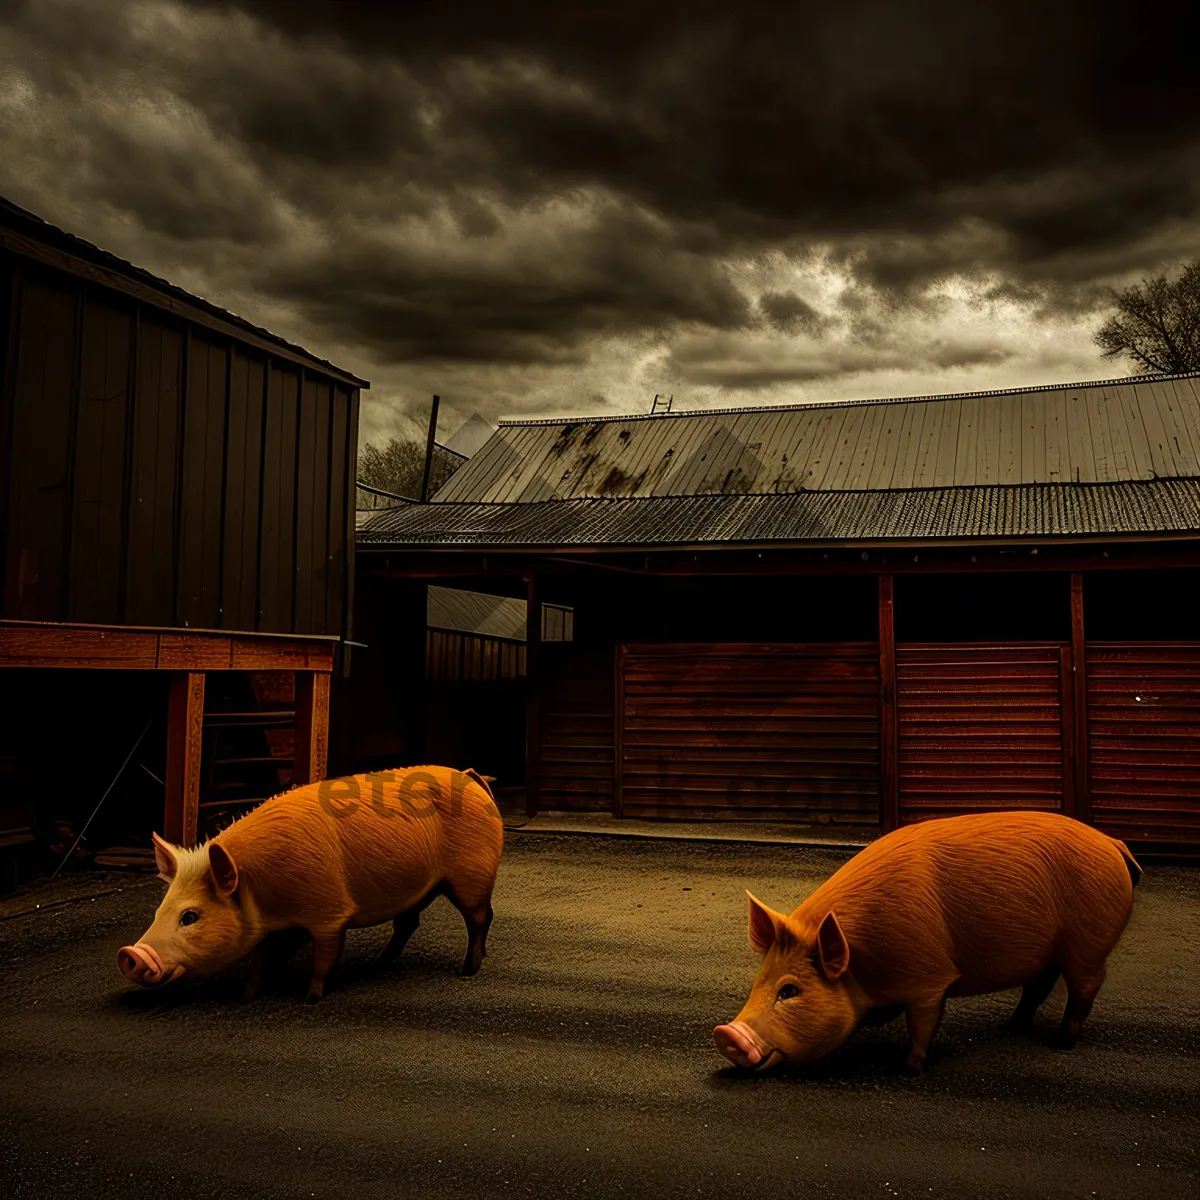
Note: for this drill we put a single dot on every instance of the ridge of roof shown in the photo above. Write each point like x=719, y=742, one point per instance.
x=868, y=403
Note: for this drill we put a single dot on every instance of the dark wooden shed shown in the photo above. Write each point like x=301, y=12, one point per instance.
x=178, y=498
x=863, y=614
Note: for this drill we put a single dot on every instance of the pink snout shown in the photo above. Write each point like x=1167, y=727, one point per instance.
x=740, y=1044
x=141, y=964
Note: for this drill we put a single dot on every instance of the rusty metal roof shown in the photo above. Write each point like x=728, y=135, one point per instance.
x=1165, y=506
x=1115, y=431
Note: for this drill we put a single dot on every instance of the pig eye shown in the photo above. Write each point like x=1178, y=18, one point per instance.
x=190, y=917
x=787, y=992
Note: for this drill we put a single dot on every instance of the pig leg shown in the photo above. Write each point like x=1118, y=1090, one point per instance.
x=1081, y=995
x=327, y=949
x=478, y=917
x=254, y=974
x=923, y=1018
x=1033, y=995
x=403, y=927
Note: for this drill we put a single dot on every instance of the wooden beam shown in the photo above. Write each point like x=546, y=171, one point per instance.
x=499, y=563
x=533, y=747
x=111, y=647
x=889, y=737
x=1083, y=801
x=185, y=728
x=312, y=727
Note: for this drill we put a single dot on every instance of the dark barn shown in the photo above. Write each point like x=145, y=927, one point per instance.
x=178, y=548
x=860, y=614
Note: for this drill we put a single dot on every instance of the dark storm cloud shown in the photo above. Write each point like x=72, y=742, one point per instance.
x=480, y=184
x=790, y=313
x=536, y=302
x=829, y=120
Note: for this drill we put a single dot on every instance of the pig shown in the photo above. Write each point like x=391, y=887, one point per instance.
x=324, y=858
x=958, y=906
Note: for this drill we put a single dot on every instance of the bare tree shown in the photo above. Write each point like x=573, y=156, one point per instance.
x=398, y=467
x=1157, y=324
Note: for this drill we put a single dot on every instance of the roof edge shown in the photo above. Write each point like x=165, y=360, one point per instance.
x=25, y=226
x=867, y=403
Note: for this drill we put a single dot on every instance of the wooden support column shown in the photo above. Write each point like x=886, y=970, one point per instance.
x=312, y=727
x=1083, y=800
x=185, y=731
x=533, y=746
x=889, y=739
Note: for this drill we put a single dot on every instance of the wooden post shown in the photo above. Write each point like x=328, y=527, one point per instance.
x=1083, y=800
x=312, y=727
x=185, y=731
x=533, y=747
x=889, y=741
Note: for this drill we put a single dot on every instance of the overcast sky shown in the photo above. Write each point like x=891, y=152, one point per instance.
x=566, y=210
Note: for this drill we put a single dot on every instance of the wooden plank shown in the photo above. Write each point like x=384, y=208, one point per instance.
x=41, y=434
x=979, y=727
x=888, y=726
x=10, y=337
x=41, y=646
x=249, y=654
x=182, y=652
x=1079, y=696
x=185, y=732
x=312, y=727
x=533, y=644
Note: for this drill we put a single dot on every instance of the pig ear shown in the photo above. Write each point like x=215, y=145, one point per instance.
x=833, y=948
x=224, y=870
x=764, y=926
x=164, y=858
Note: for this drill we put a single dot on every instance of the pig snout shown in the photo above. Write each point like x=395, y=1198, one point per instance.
x=740, y=1044
x=141, y=964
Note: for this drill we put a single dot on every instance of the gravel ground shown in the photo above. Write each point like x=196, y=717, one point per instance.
x=579, y=1060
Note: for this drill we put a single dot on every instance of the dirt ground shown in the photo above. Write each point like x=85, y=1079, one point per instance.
x=579, y=1061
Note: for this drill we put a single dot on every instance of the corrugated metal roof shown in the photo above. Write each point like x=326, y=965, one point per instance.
x=476, y=612
x=1138, y=428
x=1031, y=510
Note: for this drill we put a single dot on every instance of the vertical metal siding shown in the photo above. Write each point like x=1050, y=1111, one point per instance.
x=153, y=480
x=1144, y=740
x=980, y=728
x=40, y=455
x=767, y=731
x=204, y=438
x=101, y=468
x=154, y=471
x=576, y=727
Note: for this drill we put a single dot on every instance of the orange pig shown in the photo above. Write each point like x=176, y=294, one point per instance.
x=325, y=858
x=959, y=906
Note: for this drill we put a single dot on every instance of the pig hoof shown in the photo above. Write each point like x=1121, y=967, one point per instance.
x=313, y=997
